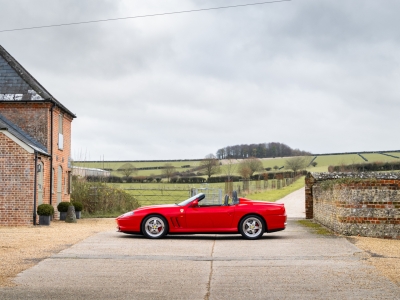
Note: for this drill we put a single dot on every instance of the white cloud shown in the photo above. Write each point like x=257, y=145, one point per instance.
x=317, y=75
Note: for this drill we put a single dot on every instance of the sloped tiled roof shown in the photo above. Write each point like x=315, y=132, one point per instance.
x=17, y=84
x=22, y=136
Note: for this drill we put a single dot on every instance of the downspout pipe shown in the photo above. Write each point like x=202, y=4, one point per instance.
x=35, y=189
x=51, y=154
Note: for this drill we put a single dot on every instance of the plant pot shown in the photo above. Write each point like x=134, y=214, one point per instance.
x=44, y=220
x=78, y=214
x=63, y=215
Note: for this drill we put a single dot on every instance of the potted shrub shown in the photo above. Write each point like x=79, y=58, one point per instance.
x=62, y=207
x=78, y=208
x=45, y=211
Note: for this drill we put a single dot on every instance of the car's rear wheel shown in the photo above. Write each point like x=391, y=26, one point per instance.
x=252, y=227
x=154, y=227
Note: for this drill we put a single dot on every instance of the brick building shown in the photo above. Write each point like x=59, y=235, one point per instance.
x=35, y=145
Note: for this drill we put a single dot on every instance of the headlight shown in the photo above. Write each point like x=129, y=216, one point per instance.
x=128, y=214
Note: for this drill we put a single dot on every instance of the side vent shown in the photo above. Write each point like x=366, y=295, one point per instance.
x=175, y=222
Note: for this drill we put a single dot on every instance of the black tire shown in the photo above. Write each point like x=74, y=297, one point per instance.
x=154, y=227
x=252, y=227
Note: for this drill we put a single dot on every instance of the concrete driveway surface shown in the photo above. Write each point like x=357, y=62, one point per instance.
x=291, y=264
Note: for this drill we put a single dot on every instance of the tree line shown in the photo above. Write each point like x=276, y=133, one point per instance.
x=262, y=150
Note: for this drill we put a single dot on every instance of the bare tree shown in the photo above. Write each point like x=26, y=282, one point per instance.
x=249, y=166
x=244, y=170
x=296, y=163
x=168, y=171
x=230, y=167
x=211, y=165
x=127, y=170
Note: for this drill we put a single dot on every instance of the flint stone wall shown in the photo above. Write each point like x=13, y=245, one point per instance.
x=368, y=208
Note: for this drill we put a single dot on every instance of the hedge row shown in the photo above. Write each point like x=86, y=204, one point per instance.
x=114, y=179
x=142, y=179
x=98, y=197
x=187, y=180
x=367, y=167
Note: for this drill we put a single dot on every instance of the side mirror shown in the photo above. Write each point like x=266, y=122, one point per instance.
x=195, y=203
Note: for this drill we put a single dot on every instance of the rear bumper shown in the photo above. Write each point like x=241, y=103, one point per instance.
x=276, y=223
x=275, y=230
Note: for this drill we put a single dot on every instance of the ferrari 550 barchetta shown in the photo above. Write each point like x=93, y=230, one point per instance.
x=196, y=215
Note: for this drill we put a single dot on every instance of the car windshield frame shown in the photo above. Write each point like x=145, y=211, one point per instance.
x=187, y=201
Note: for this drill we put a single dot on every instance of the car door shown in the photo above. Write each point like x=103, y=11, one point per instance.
x=210, y=216
x=198, y=217
x=221, y=216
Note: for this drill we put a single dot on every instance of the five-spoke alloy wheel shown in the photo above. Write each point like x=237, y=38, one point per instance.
x=154, y=227
x=252, y=227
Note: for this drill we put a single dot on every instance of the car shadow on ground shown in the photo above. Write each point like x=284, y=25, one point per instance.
x=219, y=237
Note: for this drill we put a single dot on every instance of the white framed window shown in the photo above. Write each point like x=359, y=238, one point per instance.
x=69, y=187
x=60, y=123
x=60, y=132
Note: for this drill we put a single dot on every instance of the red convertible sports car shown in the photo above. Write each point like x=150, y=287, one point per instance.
x=194, y=215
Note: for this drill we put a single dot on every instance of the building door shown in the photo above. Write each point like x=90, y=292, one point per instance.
x=40, y=182
x=59, y=184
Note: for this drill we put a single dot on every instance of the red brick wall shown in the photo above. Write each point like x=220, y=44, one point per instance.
x=16, y=182
x=310, y=181
x=30, y=117
x=35, y=119
x=61, y=156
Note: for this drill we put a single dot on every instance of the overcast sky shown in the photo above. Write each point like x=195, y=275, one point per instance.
x=318, y=75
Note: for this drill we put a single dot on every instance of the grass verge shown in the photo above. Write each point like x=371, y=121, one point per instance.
x=315, y=227
x=274, y=195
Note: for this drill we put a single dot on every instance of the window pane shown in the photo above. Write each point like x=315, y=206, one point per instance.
x=60, y=124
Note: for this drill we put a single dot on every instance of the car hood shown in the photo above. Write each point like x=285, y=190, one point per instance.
x=156, y=206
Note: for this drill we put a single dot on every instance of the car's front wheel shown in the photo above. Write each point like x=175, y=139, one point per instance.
x=154, y=227
x=252, y=227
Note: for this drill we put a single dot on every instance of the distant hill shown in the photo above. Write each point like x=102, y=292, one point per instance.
x=321, y=162
x=264, y=150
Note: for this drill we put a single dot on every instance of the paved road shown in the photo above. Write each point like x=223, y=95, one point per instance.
x=295, y=204
x=291, y=264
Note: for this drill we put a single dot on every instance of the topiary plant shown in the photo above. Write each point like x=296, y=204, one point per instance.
x=63, y=206
x=78, y=205
x=45, y=210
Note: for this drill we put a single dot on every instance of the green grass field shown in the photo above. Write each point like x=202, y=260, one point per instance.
x=166, y=186
x=155, y=193
x=274, y=195
x=116, y=165
x=323, y=162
